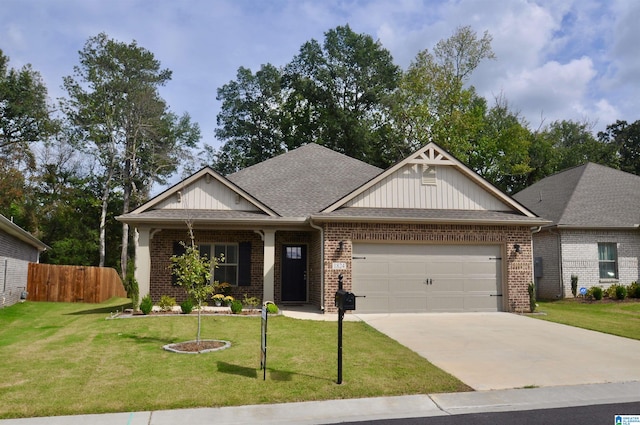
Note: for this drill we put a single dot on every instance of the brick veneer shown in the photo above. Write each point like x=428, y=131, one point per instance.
x=162, y=250
x=518, y=267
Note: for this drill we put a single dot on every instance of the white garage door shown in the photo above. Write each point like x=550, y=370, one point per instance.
x=408, y=278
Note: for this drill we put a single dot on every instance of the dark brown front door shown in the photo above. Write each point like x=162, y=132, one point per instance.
x=294, y=273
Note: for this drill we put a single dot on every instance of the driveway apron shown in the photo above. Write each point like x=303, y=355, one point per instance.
x=489, y=351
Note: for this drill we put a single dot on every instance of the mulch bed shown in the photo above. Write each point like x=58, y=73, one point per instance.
x=193, y=347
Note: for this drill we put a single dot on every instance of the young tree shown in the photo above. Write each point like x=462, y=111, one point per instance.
x=193, y=272
x=116, y=108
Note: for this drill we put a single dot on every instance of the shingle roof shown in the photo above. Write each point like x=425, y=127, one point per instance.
x=590, y=195
x=304, y=180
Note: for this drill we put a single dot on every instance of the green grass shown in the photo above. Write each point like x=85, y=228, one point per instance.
x=617, y=318
x=65, y=359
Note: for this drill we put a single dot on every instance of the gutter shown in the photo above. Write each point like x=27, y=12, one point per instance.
x=315, y=226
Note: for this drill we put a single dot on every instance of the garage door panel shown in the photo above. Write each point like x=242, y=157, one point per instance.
x=459, y=277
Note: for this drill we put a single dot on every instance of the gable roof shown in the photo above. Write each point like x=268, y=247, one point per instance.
x=588, y=196
x=432, y=154
x=304, y=180
x=18, y=232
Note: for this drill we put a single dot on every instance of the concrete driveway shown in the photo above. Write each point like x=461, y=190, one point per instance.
x=501, y=350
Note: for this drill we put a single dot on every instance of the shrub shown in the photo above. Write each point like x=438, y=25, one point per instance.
x=633, y=290
x=621, y=292
x=186, y=306
x=167, y=303
x=574, y=285
x=223, y=288
x=252, y=302
x=236, y=306
x=227, y=300
x=595, y=292
x=532, y=296
x=146, y=304
x=272, y=308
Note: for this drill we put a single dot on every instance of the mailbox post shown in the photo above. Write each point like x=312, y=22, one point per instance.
x=344, y=301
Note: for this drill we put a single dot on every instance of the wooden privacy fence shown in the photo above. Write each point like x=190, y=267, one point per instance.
x=49, y=282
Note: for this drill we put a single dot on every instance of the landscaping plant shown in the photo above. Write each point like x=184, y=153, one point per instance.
x=532, y=296
x=193, y=273
x=166, y=303
x=574, y=285
x=146, y=304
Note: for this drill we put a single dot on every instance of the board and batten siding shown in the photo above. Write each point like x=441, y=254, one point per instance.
x=405, y=189
x=207, y=195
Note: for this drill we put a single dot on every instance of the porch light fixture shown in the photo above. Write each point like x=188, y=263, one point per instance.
x=517, y=248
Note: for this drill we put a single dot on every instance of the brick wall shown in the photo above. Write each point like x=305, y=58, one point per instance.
x=15, y=256
x=13, y=247
x=161, y=250
x=518, y=267
x=13, y=280
x=580, y=257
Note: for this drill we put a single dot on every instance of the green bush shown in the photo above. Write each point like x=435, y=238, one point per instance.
x=574, y=285
x=595, y=292
x=621, y=292
x=166, y=303
x=186, y=306
x=633, y=290
x=131, y=285
x=252, y=302
x=236, y=306
x=146, y=304
x=272, y=308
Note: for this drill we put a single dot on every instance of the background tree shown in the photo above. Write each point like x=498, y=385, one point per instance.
x=433, y=104
x=625, y=138
x=251, y=119
x=116, y=109
x=25, y=118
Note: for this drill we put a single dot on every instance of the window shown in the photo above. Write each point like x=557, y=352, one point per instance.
x=294, y=252
x=227, y=270
x=608, y=260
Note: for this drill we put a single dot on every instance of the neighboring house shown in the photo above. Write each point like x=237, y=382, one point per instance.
x=594, y=234
x=18, y=248
x=427, y=234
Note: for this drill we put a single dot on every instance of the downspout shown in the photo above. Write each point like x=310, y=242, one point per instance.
x=315, y=226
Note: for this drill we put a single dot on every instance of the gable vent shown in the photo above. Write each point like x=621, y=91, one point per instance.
x=428, y=175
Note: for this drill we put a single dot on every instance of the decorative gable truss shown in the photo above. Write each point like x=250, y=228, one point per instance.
x=429, y=179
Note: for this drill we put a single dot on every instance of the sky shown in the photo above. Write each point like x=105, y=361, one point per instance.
x=564, y=59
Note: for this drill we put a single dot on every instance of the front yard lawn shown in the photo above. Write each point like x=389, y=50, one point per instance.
x=612, y=317
x=66, y=359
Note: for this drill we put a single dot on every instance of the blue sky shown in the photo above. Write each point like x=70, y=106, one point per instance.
x=556, y=60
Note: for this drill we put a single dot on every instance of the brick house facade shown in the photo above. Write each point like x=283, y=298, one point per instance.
x=301, y=213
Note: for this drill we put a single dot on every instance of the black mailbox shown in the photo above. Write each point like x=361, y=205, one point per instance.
x=345, y=300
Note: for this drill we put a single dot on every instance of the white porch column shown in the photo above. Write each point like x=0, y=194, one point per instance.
x=269, y=238
x=143, y=262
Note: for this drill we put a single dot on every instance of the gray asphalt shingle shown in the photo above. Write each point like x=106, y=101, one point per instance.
x=305, y=180
x=590, y=195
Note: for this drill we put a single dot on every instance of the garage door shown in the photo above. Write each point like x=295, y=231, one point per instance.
x=403, y=278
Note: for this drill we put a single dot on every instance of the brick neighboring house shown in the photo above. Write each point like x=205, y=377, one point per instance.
x=18, y=248
x=427, y=234
x=594, y=234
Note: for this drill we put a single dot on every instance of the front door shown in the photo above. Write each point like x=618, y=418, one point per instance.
x=294, y=273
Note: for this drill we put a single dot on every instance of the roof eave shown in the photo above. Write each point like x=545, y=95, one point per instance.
x=19, y=233
x=419, y=220
x=156, y=221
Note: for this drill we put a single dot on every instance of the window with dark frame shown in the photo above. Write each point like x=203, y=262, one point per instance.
x=227, y=270
x=608, y=260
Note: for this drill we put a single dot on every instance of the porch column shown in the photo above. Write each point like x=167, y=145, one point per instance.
x=269, y=265
x=143, y=262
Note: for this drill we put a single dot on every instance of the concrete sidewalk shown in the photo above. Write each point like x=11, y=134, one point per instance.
x=335, y=411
